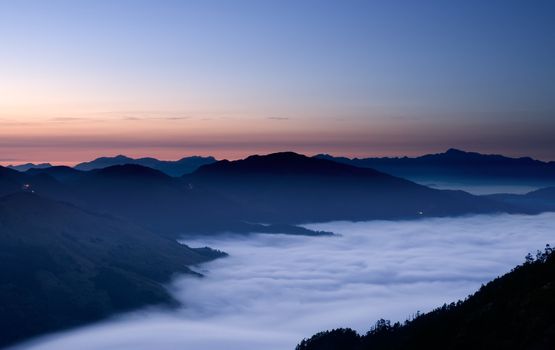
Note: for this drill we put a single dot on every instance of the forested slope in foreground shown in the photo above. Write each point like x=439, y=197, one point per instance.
x=515, y=311
x=62, y=266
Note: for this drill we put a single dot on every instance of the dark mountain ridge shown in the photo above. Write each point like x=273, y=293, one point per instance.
x=538, y=200
x=292, y=188
x=281, y=188
x=59, y=172
x=81, y=238
x=460, y=166
x=514, y=311
x=148, y=197
x=62, y=266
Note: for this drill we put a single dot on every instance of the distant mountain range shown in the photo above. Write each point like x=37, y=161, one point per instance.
x=282, y=188
x=514, y=311
x=172, y=168
x=27, y=166
x=453, y=166
x=456, y=166
x=540, y=200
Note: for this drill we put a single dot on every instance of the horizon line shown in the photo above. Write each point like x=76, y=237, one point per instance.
x=18, y=162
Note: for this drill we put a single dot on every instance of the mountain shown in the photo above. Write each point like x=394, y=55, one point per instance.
x=246, y=195
x=173, y=168
x=539, y=200
x=27, y=166
x=292, y=188
x=514, y=311
x=150, y=198
x=77, y=246
x=62, y=266
x=60, y=172
x=461, y=167
x=166, y=205
x=12, y=181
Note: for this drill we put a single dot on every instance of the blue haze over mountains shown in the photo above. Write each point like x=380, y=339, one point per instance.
x=173, y=168
x=460, y=167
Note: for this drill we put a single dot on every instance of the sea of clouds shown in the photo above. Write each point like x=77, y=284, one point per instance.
x=274, y=290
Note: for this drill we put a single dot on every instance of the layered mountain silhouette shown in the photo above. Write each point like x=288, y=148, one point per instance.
x=58, y=172
x=145, y=196
x=514, y=311
x=292, y=188
x=27, y=166
x=461, y=167
x=539, y=200
x=246, y=195
x=452, y=166
x=62, y=266
x=281, y=188
x=173, y=168
x=176, y=168
x=79, y=245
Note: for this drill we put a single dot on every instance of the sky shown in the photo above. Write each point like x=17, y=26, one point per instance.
x=274, y=290
x=164, y=78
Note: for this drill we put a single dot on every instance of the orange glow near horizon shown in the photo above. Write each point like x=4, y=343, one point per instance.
x=67, y=139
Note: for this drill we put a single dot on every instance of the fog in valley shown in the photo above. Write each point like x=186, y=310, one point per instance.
x=274, y=290
x=482, y=189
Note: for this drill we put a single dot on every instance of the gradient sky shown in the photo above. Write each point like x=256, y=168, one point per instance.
x=81, y=79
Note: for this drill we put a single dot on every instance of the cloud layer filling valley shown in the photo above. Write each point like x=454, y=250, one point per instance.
x=273, y=290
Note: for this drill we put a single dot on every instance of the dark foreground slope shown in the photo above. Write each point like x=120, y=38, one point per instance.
x=515, y=311
x=61, y=266
x=292, y=188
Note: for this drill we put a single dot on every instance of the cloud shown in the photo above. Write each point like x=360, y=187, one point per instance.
x=278, y=118
x=156, y=118
x=69, y=119
x=86, y=120
x=274, y=290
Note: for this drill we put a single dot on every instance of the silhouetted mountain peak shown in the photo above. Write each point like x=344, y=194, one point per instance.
x=130, y=171
x=209, y=158
x=281, y=158
x=121, y=157
x=27, y=166
x=455, y=165
x=282, y=163
x=455, y=151
x=278, y=155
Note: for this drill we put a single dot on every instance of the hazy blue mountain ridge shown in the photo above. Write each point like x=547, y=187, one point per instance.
x=173, y=168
